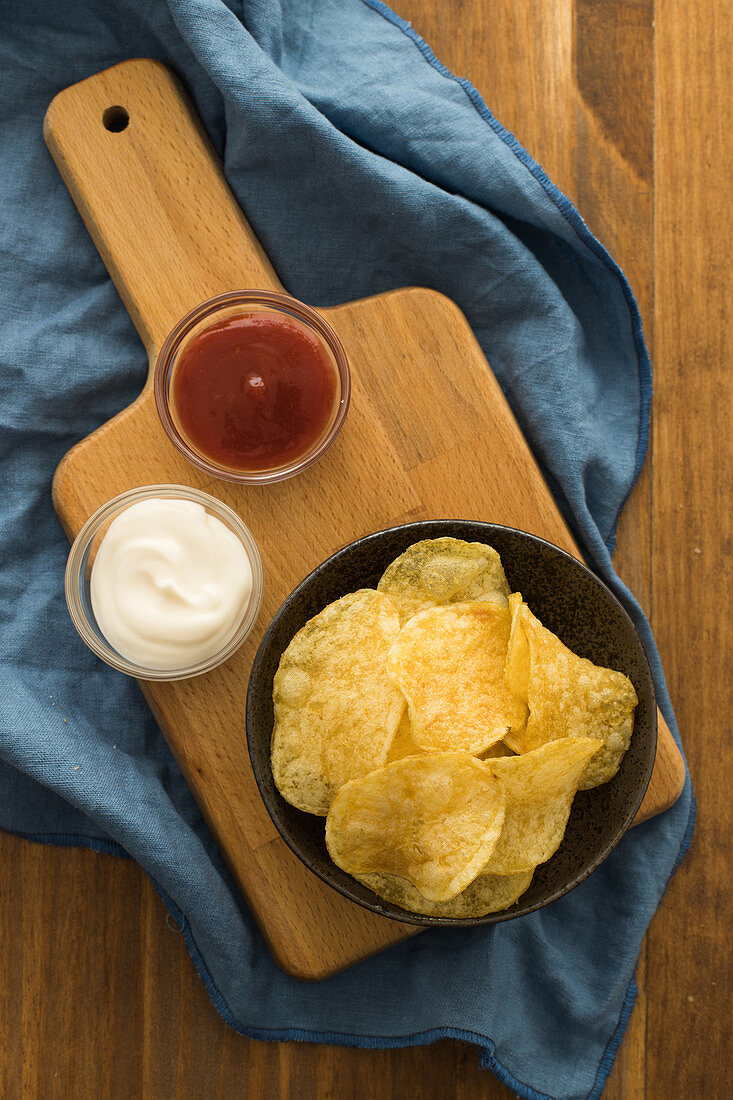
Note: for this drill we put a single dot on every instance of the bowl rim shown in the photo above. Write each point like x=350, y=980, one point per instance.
x=422, y=919
x=86, y=535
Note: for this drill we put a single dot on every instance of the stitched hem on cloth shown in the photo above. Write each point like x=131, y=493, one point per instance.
x=367, y=1042
x=573, y=219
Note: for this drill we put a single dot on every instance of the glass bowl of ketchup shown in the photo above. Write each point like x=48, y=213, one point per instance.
x=252, y=386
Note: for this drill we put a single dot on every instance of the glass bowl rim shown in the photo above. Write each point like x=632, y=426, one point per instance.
x=92, y=637
x=276, y=300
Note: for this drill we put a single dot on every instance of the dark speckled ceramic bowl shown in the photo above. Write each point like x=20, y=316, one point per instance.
x=569, y=600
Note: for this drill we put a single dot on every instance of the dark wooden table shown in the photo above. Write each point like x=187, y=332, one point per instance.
x=627, y=106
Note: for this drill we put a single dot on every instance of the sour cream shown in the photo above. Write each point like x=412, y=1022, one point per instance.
x=170, y=583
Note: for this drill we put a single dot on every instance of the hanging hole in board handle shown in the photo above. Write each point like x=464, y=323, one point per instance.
x=115, y=119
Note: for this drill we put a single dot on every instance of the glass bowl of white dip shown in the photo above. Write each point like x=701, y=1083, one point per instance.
x=164, y=582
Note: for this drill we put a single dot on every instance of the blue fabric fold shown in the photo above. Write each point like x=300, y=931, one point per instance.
x=403, y=177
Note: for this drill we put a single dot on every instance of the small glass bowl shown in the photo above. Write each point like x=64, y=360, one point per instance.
x=79, y=572
x=233, y=304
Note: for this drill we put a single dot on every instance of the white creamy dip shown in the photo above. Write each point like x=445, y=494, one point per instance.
x=169, y=584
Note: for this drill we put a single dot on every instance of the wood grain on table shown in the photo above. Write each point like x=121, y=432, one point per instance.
x=625, y=104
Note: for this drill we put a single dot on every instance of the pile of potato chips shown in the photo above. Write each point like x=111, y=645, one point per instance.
x=442, y=731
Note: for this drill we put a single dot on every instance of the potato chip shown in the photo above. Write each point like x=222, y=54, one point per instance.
x=432, y=819
x=517, y=665
x=449, y=663
x=403, y=744
x=336, y=709
x=567, y=696
x=497, y=749
x=486, y=894
x=436, y=572
x=540, y=787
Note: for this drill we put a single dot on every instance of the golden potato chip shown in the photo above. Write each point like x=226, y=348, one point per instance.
x=497, y=749
x=449, y=663
x=567, y=696
x=517, y=665
x=540, y=787
x=432, y=819
x=336, y=709
x=486, y=894
x=403, y=744
x=436, y=572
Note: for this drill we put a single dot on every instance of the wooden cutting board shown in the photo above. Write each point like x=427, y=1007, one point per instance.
x=429, y=435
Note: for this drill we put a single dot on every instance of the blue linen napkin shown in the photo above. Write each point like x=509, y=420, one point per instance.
x=403, y=177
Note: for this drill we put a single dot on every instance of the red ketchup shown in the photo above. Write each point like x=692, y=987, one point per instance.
x=254, y=391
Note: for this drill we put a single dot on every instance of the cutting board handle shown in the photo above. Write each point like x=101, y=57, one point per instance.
x=117, y=139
